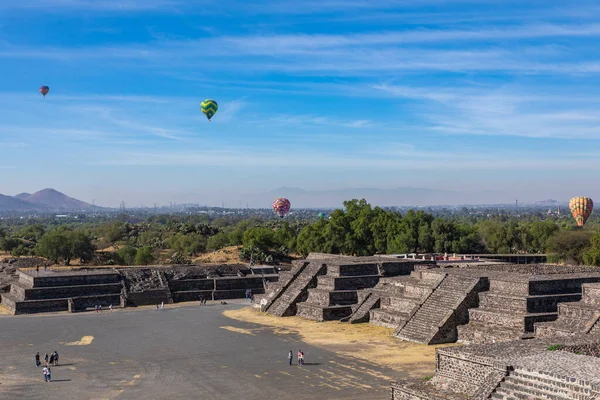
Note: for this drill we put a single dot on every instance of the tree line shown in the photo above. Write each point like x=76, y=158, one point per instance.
x=358, y=229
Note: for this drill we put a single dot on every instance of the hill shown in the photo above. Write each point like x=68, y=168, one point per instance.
x=56, y=200
x=9, y=203
x=22, y=196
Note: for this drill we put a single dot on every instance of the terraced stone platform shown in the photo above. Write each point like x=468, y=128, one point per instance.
x=575, y=317
x=53, y=291
x=509, y=370
x=47, y=292
x=328, y=289
x=514, y=304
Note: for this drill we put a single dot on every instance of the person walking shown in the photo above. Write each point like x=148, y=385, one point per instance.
x=96, y=308
x=110, y=307
x=162, y=305
x=51, y=358
x=49, y=374
x=55, y=357
x=45, y=371
x=299, y=358
x=100, y=307
x=37, y=359
x=291, y=357
x=46, y=359
x=302, y=358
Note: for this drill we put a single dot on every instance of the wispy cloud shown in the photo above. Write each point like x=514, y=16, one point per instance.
x=259, y=159
x=506, y=112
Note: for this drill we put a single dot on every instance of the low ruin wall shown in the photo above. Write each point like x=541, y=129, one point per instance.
x=147, y=297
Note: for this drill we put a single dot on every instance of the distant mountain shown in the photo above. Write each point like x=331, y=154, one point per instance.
x=22, y=196
x=9, y=203
x=549, y=202
x=56, y=200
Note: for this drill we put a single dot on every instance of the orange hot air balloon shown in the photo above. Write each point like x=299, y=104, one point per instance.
x=581, y=208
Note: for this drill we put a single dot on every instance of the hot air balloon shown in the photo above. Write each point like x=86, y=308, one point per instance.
x=281, y=206
x=322, y=215
x=44, y=90
x=581, y=208
x=209, y=108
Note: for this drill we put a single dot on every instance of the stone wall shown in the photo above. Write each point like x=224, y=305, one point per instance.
x=147, y=298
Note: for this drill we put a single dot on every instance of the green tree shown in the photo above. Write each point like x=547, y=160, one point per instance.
x=591, y=256
x=261, y=238
x=144, y=256
x=219, y=241
x=65, y=244
x=126, y=255
x=114, y=233
x=568, y=246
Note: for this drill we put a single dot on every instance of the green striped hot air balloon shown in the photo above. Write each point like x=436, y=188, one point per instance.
x=209, y=108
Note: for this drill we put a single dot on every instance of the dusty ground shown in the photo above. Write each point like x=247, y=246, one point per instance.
x=186, y=351
x=365, y=342
x=227, y=255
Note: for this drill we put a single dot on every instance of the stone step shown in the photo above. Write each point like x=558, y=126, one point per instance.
x=560, y=327
x=322, y=297
x=552, y=380
x=530, y=383
x=508, y=318
x=62, y=292
x=327, y=282
x=362, y=312
x=513, y=388
x=317, y=313
x=479, y=333
x=387, y=319
x=352, y=270
x=580, y=310
x=591, y=293
x=399, y=303
x=542, y=303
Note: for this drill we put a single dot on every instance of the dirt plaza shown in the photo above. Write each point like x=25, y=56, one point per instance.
x=188, y=350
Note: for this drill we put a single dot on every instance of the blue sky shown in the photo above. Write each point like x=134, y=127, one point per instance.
x=465, y=95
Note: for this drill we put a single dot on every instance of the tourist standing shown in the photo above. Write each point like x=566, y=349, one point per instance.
x=96, y=308
x=51, y=358
x=46, y=359
x=302, y=358
x=291, y=357
x=49, y=374
x=100, y=307
x=162, y=305
x=37, y=359
x=45, y=371
x=55, y=357
x=110, y=307
x=299, y=358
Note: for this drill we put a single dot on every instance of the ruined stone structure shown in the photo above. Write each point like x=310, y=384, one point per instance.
x=59, y=292
x=36, y=292
x=575, y=318
x=327, y=289
x=480, y=302
x=509, y=370
x=515, y=303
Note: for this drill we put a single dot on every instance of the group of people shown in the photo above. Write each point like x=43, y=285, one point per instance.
x=162, y=306
x=98, y=308
x=48, y=360
x=300, y=357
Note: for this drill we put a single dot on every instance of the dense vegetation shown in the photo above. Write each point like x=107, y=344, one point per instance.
x=358, y=229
